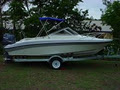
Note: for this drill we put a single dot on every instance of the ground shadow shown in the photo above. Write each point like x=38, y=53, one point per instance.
x=89, y=64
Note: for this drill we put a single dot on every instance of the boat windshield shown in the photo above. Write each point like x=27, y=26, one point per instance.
x=65, y=31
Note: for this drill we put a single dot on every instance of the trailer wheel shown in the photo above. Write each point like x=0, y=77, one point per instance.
x=56, y=63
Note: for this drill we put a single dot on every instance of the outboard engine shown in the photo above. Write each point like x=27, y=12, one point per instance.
x=8, y=39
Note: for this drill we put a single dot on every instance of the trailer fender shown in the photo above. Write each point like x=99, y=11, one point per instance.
x=55, y=56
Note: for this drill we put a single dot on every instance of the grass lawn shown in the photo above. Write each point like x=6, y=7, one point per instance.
x=91, y=74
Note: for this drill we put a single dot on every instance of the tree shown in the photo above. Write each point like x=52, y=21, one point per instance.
x=64, y=9
x=17, y=12
x=112, y=17
x=2, y=3
x=26, y=4
x=107, y=2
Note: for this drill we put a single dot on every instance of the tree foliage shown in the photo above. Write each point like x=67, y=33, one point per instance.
x=107, y=2
x=21, y=13
x=17, y=12
x=112, y=17
x=2, y=3
x=64, y=9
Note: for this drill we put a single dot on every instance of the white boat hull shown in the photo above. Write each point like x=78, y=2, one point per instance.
x=82, y=49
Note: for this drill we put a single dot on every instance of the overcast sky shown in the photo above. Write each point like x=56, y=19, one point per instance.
x=93, y=6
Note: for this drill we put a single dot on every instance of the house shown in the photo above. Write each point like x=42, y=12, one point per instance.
x=98, y=23
x=97, y=29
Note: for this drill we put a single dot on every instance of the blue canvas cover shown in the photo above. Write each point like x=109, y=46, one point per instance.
x=8, y=39
x=51, y=19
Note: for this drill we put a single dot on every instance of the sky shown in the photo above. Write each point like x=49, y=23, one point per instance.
x=93, y=6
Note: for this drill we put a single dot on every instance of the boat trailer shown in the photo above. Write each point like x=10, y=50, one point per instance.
x=56, y=61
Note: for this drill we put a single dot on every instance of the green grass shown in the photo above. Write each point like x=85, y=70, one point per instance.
x=91, y=74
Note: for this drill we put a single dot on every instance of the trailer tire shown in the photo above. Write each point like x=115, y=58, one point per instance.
x=56, y=63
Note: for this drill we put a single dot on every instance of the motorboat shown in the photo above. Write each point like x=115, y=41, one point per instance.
x=61, y=42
